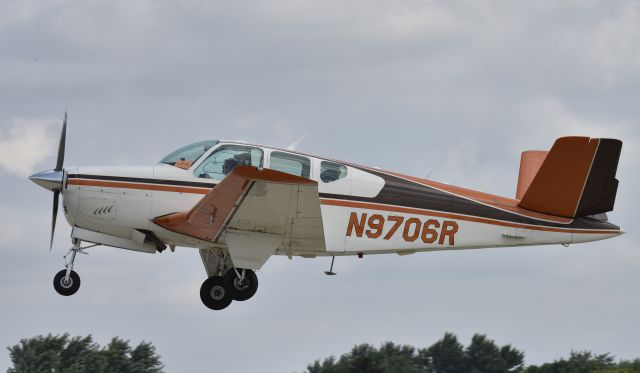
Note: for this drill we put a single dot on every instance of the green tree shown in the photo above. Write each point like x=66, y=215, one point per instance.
x=399, y=359
x=145, y=360
x=389, y=358
x=363, y=358
x=445, y=356
x=484, y=356
x=448, y=355
x=327, y=366
x=578, y=362
x=46, y=354
x=629, y=366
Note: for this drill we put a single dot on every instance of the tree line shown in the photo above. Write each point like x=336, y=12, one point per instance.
x=448, y=355
x=64, y=354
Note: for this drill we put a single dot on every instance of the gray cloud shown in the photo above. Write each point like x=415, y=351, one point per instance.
x=25, y=144
x=395, y=84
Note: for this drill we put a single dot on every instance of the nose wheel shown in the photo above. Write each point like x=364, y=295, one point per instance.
x=66, y=284
x=67, y=281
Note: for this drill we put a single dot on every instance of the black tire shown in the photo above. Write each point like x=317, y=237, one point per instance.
x=66, y=288
x=214, y=294
x=241, y=291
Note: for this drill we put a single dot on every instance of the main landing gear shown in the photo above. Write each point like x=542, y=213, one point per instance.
x=217, y=292
x=67, y=281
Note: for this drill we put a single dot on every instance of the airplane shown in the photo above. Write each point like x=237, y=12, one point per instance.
x=240, y=203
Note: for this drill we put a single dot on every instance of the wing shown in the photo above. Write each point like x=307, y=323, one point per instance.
x=255, y=213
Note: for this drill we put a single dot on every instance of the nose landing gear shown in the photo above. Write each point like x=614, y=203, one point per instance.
x=67, y=281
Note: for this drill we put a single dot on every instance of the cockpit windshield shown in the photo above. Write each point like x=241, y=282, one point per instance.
x=186, y=156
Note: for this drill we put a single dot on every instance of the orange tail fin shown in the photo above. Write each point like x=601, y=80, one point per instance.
x=577, y=178
x=530, y=164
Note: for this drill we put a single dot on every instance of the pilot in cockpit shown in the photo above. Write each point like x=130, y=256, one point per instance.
x=241, y=159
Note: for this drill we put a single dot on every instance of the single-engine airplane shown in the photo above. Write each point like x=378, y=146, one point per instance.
x=239, y=204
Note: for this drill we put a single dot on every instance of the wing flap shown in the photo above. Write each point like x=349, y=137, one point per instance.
x=264, y=208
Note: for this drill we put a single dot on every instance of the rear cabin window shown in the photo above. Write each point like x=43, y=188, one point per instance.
x=291, y=164
x=224, y=159
x=330, y=172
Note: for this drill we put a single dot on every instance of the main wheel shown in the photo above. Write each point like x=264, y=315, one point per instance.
x=214, y=295
x=241, y=289
x=68, y=287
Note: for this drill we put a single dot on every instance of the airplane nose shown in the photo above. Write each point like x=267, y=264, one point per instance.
x=51, y=180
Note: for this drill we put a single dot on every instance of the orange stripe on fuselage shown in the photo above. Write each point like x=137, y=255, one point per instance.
x=142, y=186
x=440, y=214
x=341, y=203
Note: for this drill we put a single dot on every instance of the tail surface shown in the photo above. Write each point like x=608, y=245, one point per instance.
x=530, y=164
x=576, y=179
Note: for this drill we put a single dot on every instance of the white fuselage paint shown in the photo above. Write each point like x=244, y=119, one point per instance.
x=117, y=208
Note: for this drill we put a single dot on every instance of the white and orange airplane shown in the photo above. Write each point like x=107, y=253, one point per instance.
x=239, y=204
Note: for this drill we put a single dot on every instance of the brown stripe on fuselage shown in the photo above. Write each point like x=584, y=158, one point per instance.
x=398, y=192
x=440, y=214
x=501, y=203
x=141, y=186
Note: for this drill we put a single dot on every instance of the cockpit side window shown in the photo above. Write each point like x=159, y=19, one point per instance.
x=330, y=172
x=186, y=156
x=224, y=159
x=291, y=164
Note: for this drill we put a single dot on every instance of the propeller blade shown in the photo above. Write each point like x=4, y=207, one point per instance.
x=63, y=137
x=58, y=169
x=56, y=195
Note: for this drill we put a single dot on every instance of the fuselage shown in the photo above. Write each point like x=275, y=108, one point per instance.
x=364, y=210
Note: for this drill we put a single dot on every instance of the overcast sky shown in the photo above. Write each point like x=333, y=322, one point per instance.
x=401, y=85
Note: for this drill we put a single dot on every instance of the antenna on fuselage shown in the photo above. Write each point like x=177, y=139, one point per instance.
x=330, y=271
x=440, y=164
x=295, y=144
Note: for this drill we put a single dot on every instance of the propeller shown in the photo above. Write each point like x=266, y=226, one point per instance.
x=59, y=163
x=56, y=197
x=63, y=138
x=53, y=179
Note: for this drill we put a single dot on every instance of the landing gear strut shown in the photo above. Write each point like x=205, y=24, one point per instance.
x=67, y=281
x=217, y=292
x=242, y=283
x=225, y=283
